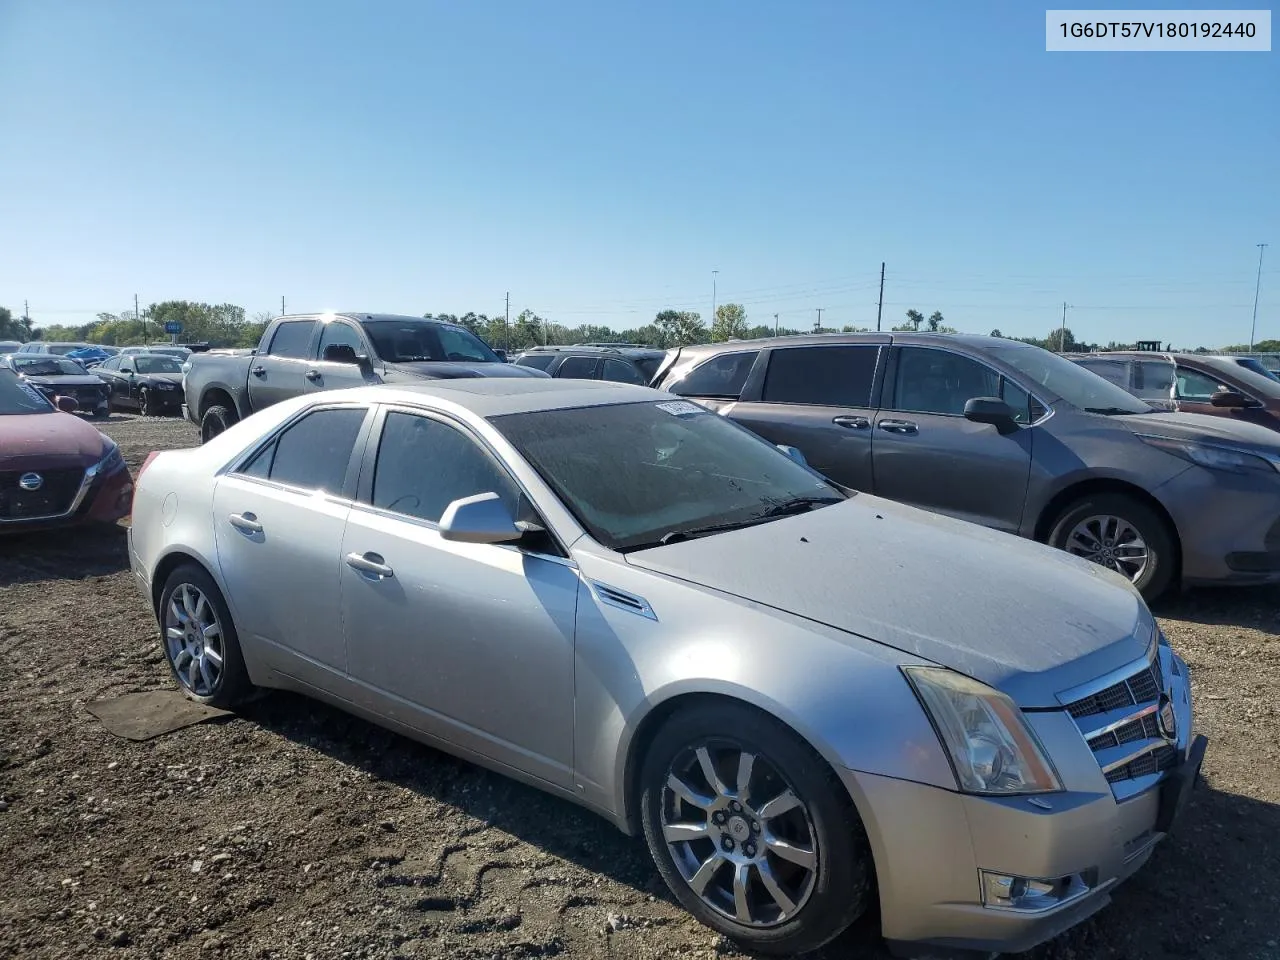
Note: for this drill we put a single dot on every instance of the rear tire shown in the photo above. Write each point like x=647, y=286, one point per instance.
x=199, y=640
x=779, y=863
x=215, y=420
x=1112, y=529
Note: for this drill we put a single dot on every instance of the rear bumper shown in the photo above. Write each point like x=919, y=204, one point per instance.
x=1228, y=525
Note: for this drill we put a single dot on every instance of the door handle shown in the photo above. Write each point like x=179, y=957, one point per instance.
x=245, y=523
x=852, y=423
x=898, y=426
x=259, y=371
x=313, y=374
x=370, y=563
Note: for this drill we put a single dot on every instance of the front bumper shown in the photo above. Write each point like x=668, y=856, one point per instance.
x=105, y=500
x=932, y=846
x=1228, y=526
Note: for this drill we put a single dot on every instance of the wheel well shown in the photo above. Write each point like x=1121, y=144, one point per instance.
x=216, y=397
x=166, y=567
x=1063, y=498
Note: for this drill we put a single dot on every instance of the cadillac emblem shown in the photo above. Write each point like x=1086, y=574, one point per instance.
x=1166, y=719
x=31, y=482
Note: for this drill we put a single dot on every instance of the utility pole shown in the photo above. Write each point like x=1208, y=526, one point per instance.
x=26, y=316
x=817, y=327
x=1062, y=335
x=880, y=305
x=506, y=324
x=775, y=324
x=282, y=306
x=138, y=316
x=1257, y=288
x=713, y=295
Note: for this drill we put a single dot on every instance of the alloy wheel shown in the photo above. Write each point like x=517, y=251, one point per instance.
x=749, y=849
x=193, y=640
x=1111, y=541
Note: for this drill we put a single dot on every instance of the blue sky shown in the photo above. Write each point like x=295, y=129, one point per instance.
x=600, y=160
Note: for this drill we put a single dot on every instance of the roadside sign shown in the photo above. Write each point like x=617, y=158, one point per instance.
x=173, y=327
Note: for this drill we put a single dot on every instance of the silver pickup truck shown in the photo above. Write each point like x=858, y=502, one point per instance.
x=311, y=352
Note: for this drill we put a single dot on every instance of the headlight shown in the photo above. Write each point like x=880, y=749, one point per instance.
x=112, y=460
x=1213, y=456
x=991, y=747
x=164, y=385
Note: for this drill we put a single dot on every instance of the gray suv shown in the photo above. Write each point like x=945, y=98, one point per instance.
x=1011, y=436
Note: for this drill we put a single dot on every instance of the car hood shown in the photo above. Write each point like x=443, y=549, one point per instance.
x=43, y=441
x=1015, y=614
x=65, y=380
x=450, y=370
x=1202, y=428
x=160, y=377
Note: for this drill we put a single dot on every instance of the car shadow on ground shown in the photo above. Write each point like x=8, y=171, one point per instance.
x=63, y=554
x=1251, y=608
x=1218, y=846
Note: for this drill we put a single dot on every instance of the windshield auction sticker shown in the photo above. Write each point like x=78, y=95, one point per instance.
x=1167, y=31
x=680, y=408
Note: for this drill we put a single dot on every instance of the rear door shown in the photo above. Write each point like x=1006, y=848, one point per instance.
x=278, y=522
x=927, y=454
x=280, y=372
x=577, y=368
x=818, y=398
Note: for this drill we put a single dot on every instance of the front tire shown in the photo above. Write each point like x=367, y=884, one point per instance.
x=215, y=420
x=199, y=640
x=146, y=406
x=752, y=831
x=1123, y=534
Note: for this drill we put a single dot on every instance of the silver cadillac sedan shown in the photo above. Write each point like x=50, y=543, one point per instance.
x=807, y=700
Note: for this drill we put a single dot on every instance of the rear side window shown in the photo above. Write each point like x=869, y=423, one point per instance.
x=538, y=360
x=620, y=372
x=833, y=376
x=579, y=368
x=722, y=377
x=313, y=453
x=291, y=339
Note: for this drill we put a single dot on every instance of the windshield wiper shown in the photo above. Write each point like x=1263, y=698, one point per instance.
x=799, y=505
x=781, y=509
x=1114, y=411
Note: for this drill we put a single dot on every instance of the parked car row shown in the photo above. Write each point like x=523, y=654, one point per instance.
x=812, y=702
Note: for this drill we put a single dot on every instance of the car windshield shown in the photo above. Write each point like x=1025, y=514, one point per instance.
x=637, y=474
x=1073, y=383
x=47, y=367
x=1261, y=383
x=408, y=341
x=18, y=398
x=1256, y=366
x=158, y=365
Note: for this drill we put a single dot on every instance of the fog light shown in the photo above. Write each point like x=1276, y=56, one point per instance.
x=1011, y=892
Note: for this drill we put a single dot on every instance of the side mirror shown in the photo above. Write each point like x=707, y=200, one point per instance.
x=67, y=404
x=483, y=518
x=1231, y=399
x=794, y=454
x=991, y=410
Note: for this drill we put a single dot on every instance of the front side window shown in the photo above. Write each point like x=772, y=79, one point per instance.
x=424, y=465
x=539, y=361
x=292, y=339
x=313, y=453
x=577, y=368
x=620, y=372
x=1195, y=386
x=939, y=381
x=636, y=473
x=112, y=364
x=720, y=378
x=833, y=376
x=337, y=333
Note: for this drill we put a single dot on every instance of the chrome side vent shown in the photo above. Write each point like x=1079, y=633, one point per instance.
x=622, y=600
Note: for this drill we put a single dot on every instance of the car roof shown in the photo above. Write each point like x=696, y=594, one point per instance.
x=906, y=338
x=596, y=348
x=497, y=396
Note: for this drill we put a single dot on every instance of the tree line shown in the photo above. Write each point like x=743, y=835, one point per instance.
x=226, y=325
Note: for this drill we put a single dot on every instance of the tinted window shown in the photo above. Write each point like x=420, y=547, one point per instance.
x=424, y=465
x=1196, y=386
x=938, y=381
x=539, y=360
x=722, y=376
x=47, y=367
x=834, y=376
x=1114, y=371
x=341, y=334
x=579, y=368
x=17, y=397
x=412, y=341
x=1019, y=399
x=313, y=453
x=112, y=364
x=621, y=372
x=292, y=339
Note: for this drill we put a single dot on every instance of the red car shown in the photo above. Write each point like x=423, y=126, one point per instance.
x=55, y=469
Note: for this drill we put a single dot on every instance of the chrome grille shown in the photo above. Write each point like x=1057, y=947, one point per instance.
x=1142, y=687
x=1158, y=760
x=56, y=494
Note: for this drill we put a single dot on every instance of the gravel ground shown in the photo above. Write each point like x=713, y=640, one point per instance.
x=296, y=831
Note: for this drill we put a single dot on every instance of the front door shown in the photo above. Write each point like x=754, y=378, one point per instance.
x=472, y=643
x=928, y=455
x=1194, y=392
x=278, y=525
x=818, y=400
x=327, y=375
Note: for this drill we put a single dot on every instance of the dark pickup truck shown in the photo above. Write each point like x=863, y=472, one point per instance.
x=302, y=354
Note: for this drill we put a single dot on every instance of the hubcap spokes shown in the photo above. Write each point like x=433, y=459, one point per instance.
x=739, y=835
x=193, y=640
x=1112, y=542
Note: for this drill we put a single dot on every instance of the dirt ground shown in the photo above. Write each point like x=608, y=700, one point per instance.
x=295, y=831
